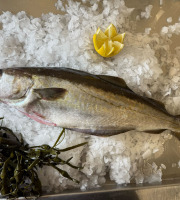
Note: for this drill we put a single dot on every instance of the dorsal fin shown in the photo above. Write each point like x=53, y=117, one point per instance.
x=50, y=93
x=159, y=104
x=115, y=81
x=121, y=83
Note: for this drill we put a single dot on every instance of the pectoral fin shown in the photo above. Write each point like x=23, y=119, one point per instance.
x=158, y=131
x=50, y=94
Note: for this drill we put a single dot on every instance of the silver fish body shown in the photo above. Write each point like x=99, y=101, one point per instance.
x=99, y=105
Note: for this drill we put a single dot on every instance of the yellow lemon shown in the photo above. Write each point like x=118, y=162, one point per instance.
x=108, y=43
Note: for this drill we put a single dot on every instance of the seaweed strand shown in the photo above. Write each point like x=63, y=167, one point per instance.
x=19, y=164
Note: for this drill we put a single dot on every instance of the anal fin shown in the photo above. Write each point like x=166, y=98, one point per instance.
x=101, y=132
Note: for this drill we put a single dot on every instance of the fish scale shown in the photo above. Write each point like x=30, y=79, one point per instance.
x=94, y=104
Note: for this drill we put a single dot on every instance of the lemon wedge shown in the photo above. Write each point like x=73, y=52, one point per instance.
x=108, y=43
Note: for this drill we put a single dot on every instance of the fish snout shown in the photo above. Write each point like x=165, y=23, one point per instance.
x=13, y=86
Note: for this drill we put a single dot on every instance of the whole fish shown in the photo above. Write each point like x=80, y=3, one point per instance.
x=76, y=100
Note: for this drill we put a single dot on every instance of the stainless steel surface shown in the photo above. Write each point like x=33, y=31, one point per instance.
x=159, y=15
x=167, y=190
x=170, y=187
x=32, y=7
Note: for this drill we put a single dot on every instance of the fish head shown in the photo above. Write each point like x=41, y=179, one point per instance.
x=14, y=84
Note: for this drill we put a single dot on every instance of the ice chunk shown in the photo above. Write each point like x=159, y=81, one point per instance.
x=147, y=13
x=169, y=19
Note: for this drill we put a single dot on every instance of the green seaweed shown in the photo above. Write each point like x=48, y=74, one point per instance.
x=19, y=163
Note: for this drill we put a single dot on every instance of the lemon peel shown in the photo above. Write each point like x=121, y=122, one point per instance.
x=108, y=43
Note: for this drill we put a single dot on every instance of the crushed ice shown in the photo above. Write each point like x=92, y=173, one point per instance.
x=146, y=64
